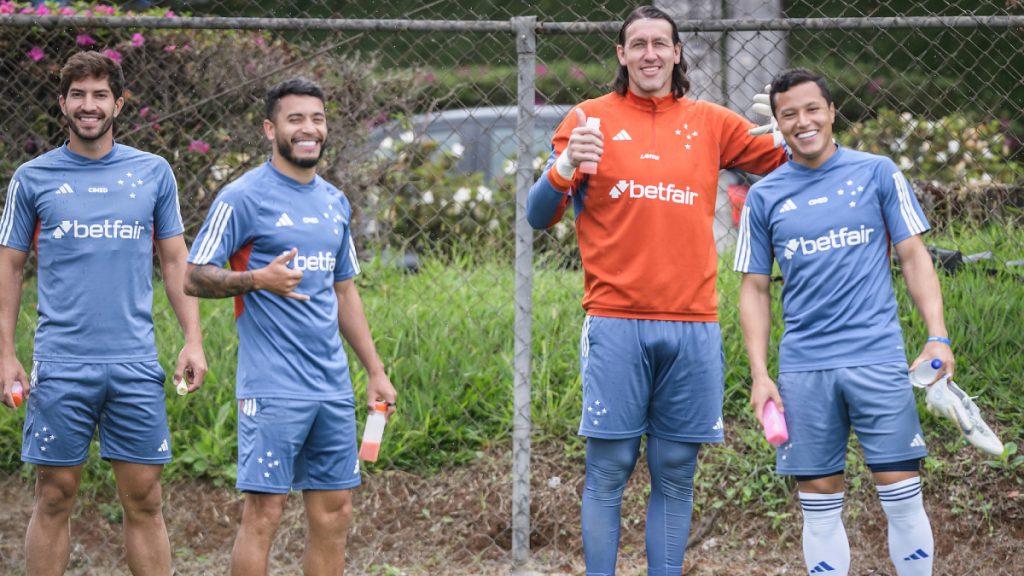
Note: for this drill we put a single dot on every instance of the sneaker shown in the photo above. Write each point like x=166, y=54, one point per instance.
x=945, y=398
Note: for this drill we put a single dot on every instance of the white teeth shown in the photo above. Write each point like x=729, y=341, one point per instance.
x=806, y=135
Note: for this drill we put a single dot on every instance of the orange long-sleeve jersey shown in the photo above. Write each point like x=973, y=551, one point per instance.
x=644, y=220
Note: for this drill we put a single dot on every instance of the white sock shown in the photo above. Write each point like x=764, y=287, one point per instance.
x=911, y=546
x=826, y=549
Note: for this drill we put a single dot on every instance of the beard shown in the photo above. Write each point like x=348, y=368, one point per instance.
x=104, y=128
x=284, y=148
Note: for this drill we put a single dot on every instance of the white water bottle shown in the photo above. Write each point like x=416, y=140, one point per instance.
x=925, y=373
x=373, y=433
x=590, y=167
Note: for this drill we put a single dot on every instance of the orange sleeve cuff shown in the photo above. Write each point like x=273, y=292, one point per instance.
x=559, y=183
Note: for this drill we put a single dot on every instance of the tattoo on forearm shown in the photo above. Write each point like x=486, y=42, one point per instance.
x=208, y=281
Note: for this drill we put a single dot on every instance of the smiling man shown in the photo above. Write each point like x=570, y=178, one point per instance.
x=828, y=218
x=287, y=235
x=95, y=211
x=651, y=349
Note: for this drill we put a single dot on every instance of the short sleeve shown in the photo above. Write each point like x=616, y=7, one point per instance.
x=754, y=244
x=18, y=223
x=168, y=210
x=347, y=260
x=900, y=209
x=224, y=232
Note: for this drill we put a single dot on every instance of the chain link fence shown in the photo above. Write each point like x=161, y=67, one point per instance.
x=425, y=102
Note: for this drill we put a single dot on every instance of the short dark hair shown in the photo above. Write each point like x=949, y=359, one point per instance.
x=292, y=86
x=794, y=77
x=92, y=65
x=680, y=84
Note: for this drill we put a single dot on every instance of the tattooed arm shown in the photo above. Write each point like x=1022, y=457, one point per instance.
x=209, y=281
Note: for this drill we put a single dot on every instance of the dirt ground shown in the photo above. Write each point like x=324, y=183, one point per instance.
x=459, y=524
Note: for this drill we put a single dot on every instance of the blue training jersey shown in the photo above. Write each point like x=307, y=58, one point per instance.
x=286, y=348
x=830, y=230
x=94, y=223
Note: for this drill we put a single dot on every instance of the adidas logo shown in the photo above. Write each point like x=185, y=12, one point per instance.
x=822, y=567
x=719, y=425
x=788, y=206
x=65, y=188
x=284, y=220
x=917, y=441
x=163, y=446
x=918, y=555
x=622, y=135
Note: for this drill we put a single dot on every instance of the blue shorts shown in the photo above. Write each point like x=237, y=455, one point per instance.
x=657, y=377
x=301, y=444
x=69, y=401
x=822, y=405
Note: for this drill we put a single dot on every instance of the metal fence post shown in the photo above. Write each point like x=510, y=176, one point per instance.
x=526, y=47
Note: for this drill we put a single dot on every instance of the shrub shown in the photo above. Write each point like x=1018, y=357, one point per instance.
x=193, y=96
x=962, y=168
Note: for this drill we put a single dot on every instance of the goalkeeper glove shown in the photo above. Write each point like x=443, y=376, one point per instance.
x=762, y=105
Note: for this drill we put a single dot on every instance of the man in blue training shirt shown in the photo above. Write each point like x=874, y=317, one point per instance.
x=286, y=233
x=828, y=217
x=95, y=211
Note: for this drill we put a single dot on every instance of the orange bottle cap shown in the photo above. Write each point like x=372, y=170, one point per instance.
x=380, y=406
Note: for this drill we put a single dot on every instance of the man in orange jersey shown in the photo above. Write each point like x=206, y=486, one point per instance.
x=651, y=349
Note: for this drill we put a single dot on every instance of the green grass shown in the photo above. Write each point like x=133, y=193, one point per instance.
x=446, y=336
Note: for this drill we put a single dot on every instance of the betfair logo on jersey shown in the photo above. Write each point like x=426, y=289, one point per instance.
x=321, y=261
x=835, y=239
x=660, y=191
x=115, y=230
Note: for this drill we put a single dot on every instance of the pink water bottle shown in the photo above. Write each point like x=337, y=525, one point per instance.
x=774, y=423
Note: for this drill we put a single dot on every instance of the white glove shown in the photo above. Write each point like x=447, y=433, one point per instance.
x=762, y=105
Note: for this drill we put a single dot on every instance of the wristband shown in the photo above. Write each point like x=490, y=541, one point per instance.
x=564, y=167
x=942, y=339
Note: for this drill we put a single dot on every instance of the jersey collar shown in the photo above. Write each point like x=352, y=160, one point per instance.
x=652, y=104
x=79, y=159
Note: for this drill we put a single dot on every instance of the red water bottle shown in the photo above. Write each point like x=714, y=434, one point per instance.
x=17, y=394
x=373, y=433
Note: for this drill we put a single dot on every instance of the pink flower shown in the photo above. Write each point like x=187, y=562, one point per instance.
x=138, y=40
x=27, y=10
x=144, y=111
x=84, y=40
x=66, y=11
x=576, y=73
x=113, y=55
x=6, y=7
x=199, y=147
x=259, y=40
x=170, y=48
x=541, y=69
x=42, y=10
x=36, y=53
x=170, y=14
x=104, y=9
